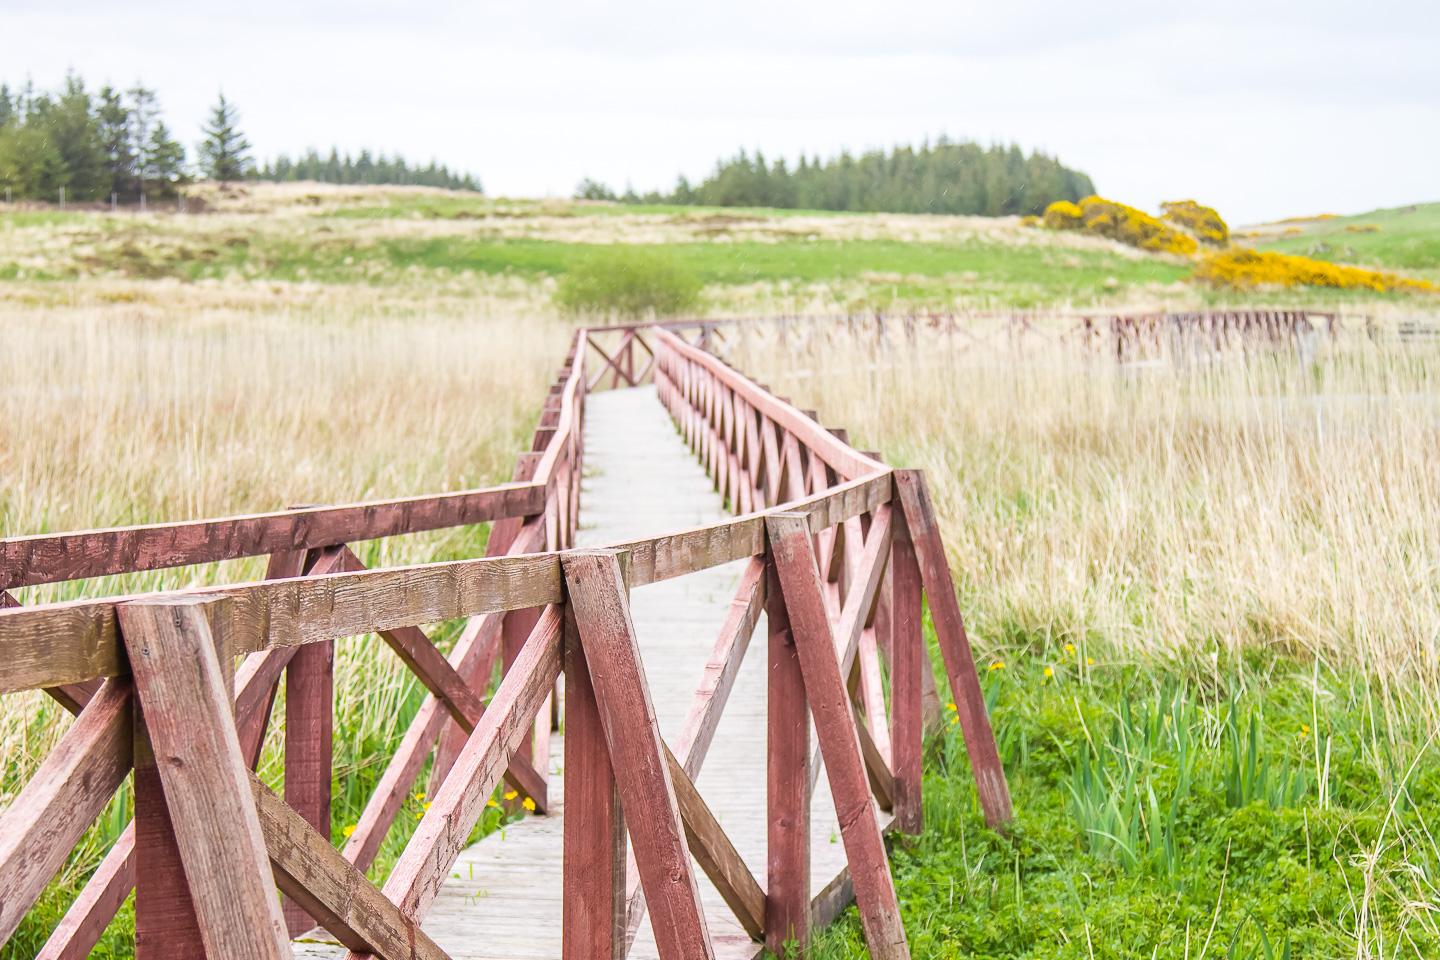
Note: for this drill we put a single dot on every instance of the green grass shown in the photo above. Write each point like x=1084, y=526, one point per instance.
x=1264, y=809
x=1408, y=239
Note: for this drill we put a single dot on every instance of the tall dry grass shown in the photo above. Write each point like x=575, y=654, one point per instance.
x=140, y=412
x=1195, y=511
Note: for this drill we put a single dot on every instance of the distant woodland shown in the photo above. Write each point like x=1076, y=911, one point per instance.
x=81, y=145
x=943, y=177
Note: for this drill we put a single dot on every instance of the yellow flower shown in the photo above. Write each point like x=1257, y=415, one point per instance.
x=528, y=804
x=419, y=815
x=420, y=796
x=998, y=665
x=951, y=706
x=511, y=794
x=1304, y=729
x=1089, y=661
x=1070, y=649
x=1049, y=672
x=349, y=829
x=491, y=803
x=426, y=807
x=954, y=720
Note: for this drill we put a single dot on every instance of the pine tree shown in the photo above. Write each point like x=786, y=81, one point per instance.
x=162, y=165
x=115, y=122
x=224, y=153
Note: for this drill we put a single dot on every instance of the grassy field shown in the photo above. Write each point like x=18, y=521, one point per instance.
x=1403, y=238
x=1249, y=551
x=1206, y=605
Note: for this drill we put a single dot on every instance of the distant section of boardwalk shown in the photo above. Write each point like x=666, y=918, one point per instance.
x=503, y=899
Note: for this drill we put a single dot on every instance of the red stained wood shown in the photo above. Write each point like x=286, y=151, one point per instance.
x=52, y=811
x=836, y=731
x=594, y=865
x=787, y=759
x=50, y=558
x=955, y=647
x=309, y=748
x=454, y=811
x=91, y=912
x=908, y=659
x=187, y=708
x=597, y=593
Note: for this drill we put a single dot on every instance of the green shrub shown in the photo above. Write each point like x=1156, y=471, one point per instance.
x=629, y=282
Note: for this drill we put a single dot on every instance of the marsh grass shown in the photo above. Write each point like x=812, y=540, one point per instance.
x=128, y=413
x=1208, y=593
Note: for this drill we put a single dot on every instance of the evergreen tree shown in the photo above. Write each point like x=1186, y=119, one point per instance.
x=224, y=152
x=162, y=165
x=116, y=121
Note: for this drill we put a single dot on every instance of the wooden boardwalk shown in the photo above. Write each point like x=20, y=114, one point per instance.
x=503, y=899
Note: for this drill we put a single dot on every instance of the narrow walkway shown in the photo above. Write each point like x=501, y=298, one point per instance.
x=503, y=901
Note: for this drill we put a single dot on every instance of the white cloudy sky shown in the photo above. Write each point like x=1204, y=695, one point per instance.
x=1263, y=108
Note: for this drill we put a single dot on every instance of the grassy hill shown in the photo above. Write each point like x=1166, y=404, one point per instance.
x=386, y=243
x=1400, y=238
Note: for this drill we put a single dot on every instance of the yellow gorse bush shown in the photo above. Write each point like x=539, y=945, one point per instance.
x=1201, y=221
x=1107, y=218
x=1244, y=269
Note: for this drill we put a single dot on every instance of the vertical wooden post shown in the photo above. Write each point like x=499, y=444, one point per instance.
x=309, y=745
x=787, y=790
x=187, y=714
x=919, y=515
x=598, y=595
x=799, y=576
x=907, y=661
x=594, y=864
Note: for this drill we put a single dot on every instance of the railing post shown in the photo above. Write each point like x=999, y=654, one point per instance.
x=594, y=857
x=907, y=660
x=184, y=691
x=309, y=745
x=787, y=791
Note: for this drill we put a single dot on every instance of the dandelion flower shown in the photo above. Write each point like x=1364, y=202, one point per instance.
x=491, y=803
x=1089, y=661
x=511, y=794
x=998, y=665
x=1070, y=649
x=528, y=804
x=349, y=829
x=951, y=706
x=420, y=796
x=426, y=807
x=419, y=815
x=1049, y=672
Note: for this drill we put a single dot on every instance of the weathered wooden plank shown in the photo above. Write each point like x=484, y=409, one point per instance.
x=187, y=713
x=836, y=731
x=309, y=748
x=325, y=885
x=908, y=659
x=787, y=902
x=594, y=850
x=53, y=557
x=92, y=910
x=55, y=807
x=955, y=646
x=597, y=593
x=443, y=831
x=50, y=644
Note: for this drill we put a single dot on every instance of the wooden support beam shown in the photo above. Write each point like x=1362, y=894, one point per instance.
x=909, y=661
x=788, y=785
x=187, y=713
x=836, y=731
x=309, y=871
x=444, y=830
x=716, y=855
x=955, y=646
x=597, y=593
x=57, y=805
x=594, y=853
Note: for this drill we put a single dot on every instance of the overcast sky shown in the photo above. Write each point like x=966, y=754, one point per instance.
x=1262, y=108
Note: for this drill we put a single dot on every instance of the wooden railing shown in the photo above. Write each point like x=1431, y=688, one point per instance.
x=838, y=549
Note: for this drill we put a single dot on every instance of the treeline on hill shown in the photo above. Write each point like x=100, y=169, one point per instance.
x=944, y=177
x=362, y=168
x=83, y=146
x=90, y=146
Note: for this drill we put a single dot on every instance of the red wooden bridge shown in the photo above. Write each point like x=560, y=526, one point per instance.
x=670, y=763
